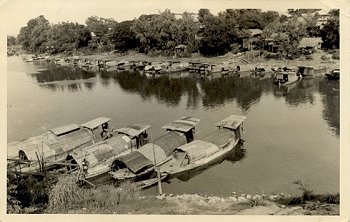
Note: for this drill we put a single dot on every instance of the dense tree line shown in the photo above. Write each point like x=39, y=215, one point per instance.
x=207, y=33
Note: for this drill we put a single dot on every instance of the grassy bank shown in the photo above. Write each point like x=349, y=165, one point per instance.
x=66, y=197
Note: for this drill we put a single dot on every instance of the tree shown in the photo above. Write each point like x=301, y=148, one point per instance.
x=33, y=37
x=161, y=32
x=11, y=40
x=68, y=37
x=330, y=31
x=123, y=37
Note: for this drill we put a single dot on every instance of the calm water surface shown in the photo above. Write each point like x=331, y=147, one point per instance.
x=291, y=133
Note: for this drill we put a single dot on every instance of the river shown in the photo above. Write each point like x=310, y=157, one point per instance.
x=290, y=133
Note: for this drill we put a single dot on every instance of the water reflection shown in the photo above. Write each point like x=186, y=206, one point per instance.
x=166, y=90
x=245, y=91
x=55, y=73
x=331, y=103
x=237, y=154
x=212, y=92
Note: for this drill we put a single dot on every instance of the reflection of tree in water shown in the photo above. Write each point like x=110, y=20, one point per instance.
x=58, y=73
x=331, y=103
x=164, y=89
x=237, y=154
x=245, y=91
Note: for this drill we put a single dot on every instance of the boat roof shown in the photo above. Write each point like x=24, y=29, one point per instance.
x=170, y=141
x=93, y=124
x=219, y=137
x=183, y=124
x=231, y=122
x=135, y=161
x=133, y=130
x=64, y=129
x=104, y=150
x=198, y=149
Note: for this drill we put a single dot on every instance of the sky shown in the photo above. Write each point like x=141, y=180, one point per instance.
x=16, y=13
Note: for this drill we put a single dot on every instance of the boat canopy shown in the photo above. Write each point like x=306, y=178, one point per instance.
x=48, y=145
x=58, y=131
x=135, y=161
x=183, y=124
x=133, y=130
x=198, y=149
x=93, y=124
x=220, y=137
x=169, y=141
x=231, y=122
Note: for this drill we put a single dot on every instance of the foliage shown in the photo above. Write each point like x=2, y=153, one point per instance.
x=11, y=40
x=330, y=31
x=122, y=37
x=68, y=37
x=33, y=37
x=161, y=33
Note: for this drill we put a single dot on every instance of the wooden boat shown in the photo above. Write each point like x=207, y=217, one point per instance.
x=95, y=161
x=199, y=153
x=50, y=149
x=141, y=163
x=286, y=77
x=153, y=70
x=311, y=72
x=333, y=75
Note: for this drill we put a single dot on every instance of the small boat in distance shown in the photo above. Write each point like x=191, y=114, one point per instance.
x=207, y=150
x=141, y=163
x=311, y=72
x=286, y=77
x=333, y=75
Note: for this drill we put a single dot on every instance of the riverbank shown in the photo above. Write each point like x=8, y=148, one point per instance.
x=194, y=204
x=247, y=60
x=66, y=197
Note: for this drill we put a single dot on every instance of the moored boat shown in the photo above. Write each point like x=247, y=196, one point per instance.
x=286, y=77
x=95, y=161
x=311, y=72
x=207, y=150
x=141, y=163
x=49, y=150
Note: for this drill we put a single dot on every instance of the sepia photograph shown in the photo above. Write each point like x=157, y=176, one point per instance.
x=174, y=108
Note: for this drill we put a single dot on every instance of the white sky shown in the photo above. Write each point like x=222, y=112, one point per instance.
x=16, y=13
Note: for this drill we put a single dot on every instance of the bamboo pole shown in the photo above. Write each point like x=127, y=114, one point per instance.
x=157, y=169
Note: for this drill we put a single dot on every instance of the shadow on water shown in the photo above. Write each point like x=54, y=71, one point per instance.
x=237, y=154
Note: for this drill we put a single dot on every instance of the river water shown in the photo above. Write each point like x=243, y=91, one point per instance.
x=290, y=133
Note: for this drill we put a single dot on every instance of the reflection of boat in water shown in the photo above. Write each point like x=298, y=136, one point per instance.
x=235, y=155
x=141, y=163
x=95, y=161
x=208, y=150
x=50, y=149
x=282, y=90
